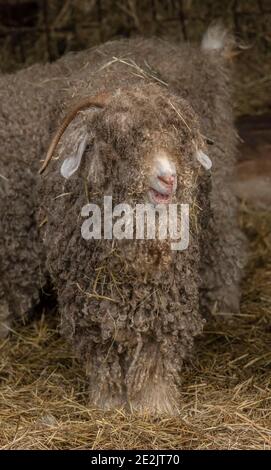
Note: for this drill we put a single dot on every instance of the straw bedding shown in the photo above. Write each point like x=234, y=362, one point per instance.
x=225, y=395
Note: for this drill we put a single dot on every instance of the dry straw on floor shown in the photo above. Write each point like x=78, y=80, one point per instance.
x=226, y=394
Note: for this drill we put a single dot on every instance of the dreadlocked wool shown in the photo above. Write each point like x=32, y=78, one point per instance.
x=130, y=308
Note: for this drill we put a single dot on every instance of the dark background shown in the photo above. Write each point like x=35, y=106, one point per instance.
x=41, y=30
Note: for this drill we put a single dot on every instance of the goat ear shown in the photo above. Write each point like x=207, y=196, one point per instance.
x=203, y=159
x=215, y=38
x=218, y=39
x=72, y=162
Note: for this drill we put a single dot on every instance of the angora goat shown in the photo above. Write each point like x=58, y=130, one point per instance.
x=135, y=120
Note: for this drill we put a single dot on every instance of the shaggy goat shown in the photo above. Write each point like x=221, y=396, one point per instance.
x=142, y=113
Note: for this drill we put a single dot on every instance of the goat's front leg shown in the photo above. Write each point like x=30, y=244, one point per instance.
x=151, y=387
x=106, y=385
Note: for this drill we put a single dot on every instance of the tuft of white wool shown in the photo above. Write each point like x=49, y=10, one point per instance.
x=215, y=38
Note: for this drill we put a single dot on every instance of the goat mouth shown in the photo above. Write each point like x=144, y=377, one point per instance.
x=159, y=198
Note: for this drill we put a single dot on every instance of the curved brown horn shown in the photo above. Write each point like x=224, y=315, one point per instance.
x=98, y=101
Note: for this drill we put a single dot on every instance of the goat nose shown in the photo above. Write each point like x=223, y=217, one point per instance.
x=167, y=179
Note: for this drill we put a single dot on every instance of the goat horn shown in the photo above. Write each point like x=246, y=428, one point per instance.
x=98, y=101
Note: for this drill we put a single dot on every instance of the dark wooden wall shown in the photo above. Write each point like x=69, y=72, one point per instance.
x=41, y=30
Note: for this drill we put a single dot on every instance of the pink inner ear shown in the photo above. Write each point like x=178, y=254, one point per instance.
x=72, y=163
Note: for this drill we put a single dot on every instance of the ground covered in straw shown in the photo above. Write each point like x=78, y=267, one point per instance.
x=226, y=394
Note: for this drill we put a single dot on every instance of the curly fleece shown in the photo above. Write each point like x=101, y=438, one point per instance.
x=130, y=308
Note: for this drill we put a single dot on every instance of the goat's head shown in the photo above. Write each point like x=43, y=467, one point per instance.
x=154, y=133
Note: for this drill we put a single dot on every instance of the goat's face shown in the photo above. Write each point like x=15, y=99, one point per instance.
x=162, y=179
x=136, y=148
